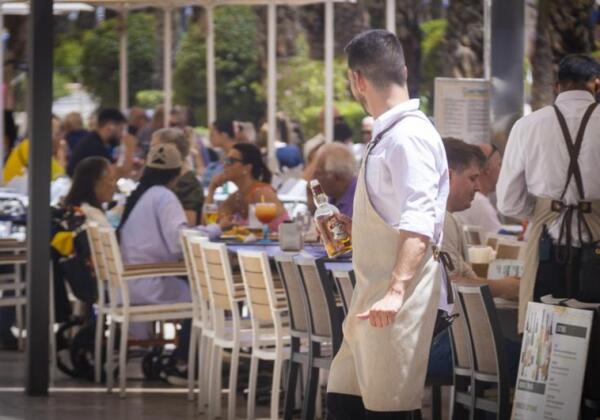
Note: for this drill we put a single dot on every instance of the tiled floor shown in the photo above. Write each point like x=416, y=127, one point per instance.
x=80, y=400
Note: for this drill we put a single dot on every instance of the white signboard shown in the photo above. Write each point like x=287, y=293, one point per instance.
x=552, y=363
x=462, y=109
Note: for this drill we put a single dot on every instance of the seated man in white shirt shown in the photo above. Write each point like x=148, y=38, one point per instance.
x=482, y=212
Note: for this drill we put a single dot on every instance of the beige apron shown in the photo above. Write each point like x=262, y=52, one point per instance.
x=543, y=215
x=385, y=366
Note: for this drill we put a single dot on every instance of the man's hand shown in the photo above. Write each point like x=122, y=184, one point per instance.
x=383, y=312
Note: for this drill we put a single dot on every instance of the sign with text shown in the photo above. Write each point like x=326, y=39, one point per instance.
x=462, y=109
x=552, y=363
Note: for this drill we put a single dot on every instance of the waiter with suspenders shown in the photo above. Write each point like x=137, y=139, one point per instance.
x=551, y=175
x=399, y=206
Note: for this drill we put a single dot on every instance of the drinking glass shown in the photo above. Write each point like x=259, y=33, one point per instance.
x=266, y=213
x=304, y=220
x=210, y=212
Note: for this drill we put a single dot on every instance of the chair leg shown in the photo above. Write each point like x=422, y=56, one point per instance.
x=204, y=359
x=310, y=393
x=252, y=387
x=192, y=361
x=98, y=348
x=110, y=363
x=233, y=376
x=290, y=391
x=276, y=385
x=19, y=308
x=214, y=391
x=123, y=356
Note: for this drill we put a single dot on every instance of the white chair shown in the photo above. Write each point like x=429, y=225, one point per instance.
x=101, y=306
x=123, y=312
x=12, y=253
x=474, y=235
x=270, y=324
x=509, y=250
x=197, y=320
x=225, y=297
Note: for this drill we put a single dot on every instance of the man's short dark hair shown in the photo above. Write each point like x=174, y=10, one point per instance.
x=578, y=68
x=224, y=126
x=110, y=115
x=377, y=54
x=461, y=155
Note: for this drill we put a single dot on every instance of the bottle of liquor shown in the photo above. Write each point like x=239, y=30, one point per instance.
x=336, y=239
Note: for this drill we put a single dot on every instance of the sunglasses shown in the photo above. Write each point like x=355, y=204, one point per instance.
x=230, y=161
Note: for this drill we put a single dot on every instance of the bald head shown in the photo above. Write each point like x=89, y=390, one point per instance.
x=335, y=168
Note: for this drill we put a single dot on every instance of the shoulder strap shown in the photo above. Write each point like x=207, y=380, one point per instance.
x=380, y=135
x=574, y=149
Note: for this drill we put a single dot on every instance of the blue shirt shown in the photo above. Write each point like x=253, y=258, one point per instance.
x=346, y=202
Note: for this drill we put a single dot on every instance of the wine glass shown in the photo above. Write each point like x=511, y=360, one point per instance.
x=266, y=213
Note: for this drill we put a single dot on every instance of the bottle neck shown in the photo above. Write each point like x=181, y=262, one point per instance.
x=321, y=199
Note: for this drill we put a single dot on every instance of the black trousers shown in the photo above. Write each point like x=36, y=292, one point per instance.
x=351, y=407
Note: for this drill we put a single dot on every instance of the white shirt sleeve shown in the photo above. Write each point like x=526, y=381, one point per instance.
x=513, y=198
x=415, y=181
x=171, y=219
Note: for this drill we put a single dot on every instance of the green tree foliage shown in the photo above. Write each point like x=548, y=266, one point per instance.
x=301, y=93
x=100, y=57
x=240, y=94
x=433, y=35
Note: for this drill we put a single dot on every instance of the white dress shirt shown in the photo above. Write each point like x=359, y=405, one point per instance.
x=536, y=159
x=482, y=213
x=407, y=172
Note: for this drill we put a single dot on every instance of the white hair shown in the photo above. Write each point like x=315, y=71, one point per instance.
x=337, y=158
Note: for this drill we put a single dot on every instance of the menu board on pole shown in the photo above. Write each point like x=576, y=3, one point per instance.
x=461, y=109
x=552, y=363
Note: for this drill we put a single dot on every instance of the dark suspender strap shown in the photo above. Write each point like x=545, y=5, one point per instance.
x=574, y=148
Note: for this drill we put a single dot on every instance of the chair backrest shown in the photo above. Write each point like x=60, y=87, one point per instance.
x=185, y=236
x=218, y=275
x=473, y=235
x=319, y=309
x=492, y=241
x=344, y=281
x=113, y=265
x=507, y=251
x=258, y=283
x=290, y=276
x=483, y=330
x=100, y=271
x=459, y=340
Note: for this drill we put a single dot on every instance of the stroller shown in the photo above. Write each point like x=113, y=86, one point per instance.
x=75, y=296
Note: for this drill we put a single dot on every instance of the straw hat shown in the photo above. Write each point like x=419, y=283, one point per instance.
x=164, y=156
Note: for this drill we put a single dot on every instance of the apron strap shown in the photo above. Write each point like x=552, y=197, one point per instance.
x=574, y=149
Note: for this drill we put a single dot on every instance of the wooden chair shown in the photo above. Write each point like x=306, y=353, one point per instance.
x=12, y=253
x=225, y=297
x=299, y=333
x=102, y=308
x=121, y=311
x=207, y=330
x=508, y=251
x=325, y=326
x=487, y=349
x=198, y=321
x=344, y=282
x=473, y=235
x=268, y=313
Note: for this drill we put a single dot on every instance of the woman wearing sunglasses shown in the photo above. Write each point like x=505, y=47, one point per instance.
x=244, y=166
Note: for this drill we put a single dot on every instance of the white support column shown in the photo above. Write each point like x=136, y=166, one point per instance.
x=123, y=61
x=487, y=39
x=2, y=151
x=329, y=50
x=390, y=15
x=167, y=69
x=271, y=81
x=211, y=78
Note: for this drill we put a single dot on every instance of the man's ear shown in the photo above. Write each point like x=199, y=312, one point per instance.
x=450, y=174
x=360, y=82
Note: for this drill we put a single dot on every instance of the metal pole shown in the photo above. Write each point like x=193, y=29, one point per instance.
x=2, y=104
x=487, y=39
x=329, y=49
x=39, y=103
x=123, y=61
x=390, y=15
x=167, y=69
x=211, y=78
x=271, y=81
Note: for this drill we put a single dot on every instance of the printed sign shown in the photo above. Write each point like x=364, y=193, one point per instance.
x=552, y=363
x=462, y=109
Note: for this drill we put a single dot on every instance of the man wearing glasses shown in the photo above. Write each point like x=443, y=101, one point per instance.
x=482, y=212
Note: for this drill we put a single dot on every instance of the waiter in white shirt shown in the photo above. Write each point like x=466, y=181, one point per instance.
x=550, y=176
x=399, y=205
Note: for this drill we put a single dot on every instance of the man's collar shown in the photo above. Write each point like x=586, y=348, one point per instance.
x=389, y=116
x=575, y=95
